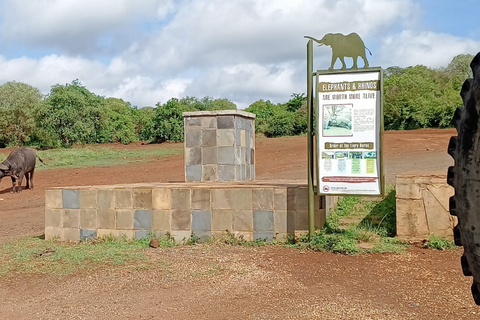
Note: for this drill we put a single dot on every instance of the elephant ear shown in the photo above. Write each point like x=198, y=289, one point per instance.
x=3, y=167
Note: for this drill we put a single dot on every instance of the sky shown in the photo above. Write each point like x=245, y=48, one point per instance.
x=149, y=51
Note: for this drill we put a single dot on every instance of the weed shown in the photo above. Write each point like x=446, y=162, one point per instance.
x=438, y=243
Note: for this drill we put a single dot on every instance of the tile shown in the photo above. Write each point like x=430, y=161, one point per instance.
x=123, y=198
x=291, y=214
x=124, y=219
x=193, y=156
x=142, y=198
x=54, y=218
x=226, y=173
x=222, y=199
x=209, y=138
x=161, y=220
x=200, y=199
x=203, y=236
x=209, y=155
x=221, y=220
x=210, y=173
x=88, y=199
x=70, y=199
x=126, y=234
x=266, y=236
x=106, y=218
x=193, y=173
x=181, y=219
x=161, y=198
x=226, y=155
x=280, y=221
x=53, y=198
x=180, y=236
x=102, y=233
x=225, y=138
x=301, y=220
x=242, y=199
x=280, y=198
x=70, y=234
x=193, y=121
x=244, y=235
x=105, y=199
x=87, y=234
x=263, y=221
x=262, y=199
x=225, y=122
x=53, y=233
x=71, y=218
x=201, y=220
x=180, y=198
x=142, y=234
x=209, y=122
x=242, y=220
x=88, y=218
x=142, y=219
x=193, y=139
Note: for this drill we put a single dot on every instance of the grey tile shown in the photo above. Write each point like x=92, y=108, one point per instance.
x=203, y=235
x=201, y=199
x=210, y=172
x=225, y=122
x=209, y=122
x=142, y=219
x=226, y=173
x=193, y=173
x=263, y=221
x=86, y=234
x=209, y=138
x=209, y=155
x=181, y=219
x=193, y=139
x=193, y=121
x=240, y=174
x=193, y=156
x=225, y=138
x=266, y=236
x=226, y=155
x=70, y=199
x=201, y=220
x=238, y=136
x=142, y=234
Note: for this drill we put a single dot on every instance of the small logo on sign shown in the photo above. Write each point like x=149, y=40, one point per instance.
x=326, y=189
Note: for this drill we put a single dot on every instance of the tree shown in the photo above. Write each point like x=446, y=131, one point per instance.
x=17, y=103
x=120, y=126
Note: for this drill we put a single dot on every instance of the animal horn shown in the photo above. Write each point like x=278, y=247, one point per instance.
x=3, y=167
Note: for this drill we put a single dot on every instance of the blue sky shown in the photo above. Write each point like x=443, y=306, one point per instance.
x=148, y=51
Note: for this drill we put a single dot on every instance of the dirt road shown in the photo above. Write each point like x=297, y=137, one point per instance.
x=210, y=282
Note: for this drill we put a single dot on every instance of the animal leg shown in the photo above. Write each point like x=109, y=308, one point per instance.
x=31, y=179
x=14, y=182
x=344, y=66
x=334, y=59
x=355, y=67
x=365, y=61
x=19, y=182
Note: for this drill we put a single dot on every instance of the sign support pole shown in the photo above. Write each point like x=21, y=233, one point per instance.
x=311, y=196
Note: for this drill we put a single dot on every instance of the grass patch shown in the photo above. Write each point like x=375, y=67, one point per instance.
x=97, y=156
x=438, y=243
x=357, y=225
x=37, y=256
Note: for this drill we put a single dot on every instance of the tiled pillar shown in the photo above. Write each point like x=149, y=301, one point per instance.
x=219, y=146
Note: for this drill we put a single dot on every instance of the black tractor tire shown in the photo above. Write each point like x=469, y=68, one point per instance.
x=464, y=177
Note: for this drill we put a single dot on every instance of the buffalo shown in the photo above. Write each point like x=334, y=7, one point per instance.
x=19, y=163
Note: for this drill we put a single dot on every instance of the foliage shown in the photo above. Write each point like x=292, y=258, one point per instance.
x=438, y=243
x=120, y=126
x=17, y=103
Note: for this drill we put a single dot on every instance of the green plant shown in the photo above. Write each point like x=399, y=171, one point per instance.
x=438, y=243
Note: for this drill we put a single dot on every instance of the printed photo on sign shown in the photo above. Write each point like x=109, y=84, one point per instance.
x=337, y=120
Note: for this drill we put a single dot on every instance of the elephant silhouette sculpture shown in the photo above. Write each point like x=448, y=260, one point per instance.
x=351, y=46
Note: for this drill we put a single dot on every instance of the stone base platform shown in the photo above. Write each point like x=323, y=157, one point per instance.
x=422, y=206
x=260, y=210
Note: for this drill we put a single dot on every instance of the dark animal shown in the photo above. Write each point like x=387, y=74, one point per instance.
x=19, y=163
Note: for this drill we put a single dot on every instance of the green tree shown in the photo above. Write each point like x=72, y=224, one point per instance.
x=144, y=123
x=71, y=115
x=17, y=103
x=121, y=122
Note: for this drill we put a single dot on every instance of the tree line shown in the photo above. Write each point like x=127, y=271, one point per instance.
x=414, y=97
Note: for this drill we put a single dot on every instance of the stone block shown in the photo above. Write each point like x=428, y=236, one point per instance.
x=106, y=218
x=70, y=234
x=244, y=235
x=70, y=199
x=221, y=220
x=193, y=122
x=265, y=236
x=142, y=198
x=209, y=122
x=248, y=175
x=201, y=199
x=280, y=221
x=193, y=173
x=88, y=234
x=53, y=233
x=161, y=198
x=243, y=138
x=209, y=155
x=252, y=157
x=203, y=236
x=411, y=219
x=209, y=138
x=226, y=173
x=180, y=198
x=161, y=220
x=53, y=199
x=88, y=199
x=242, y=220
x=124, y=219
x=105, y=199
x=210, y=173
x=301, y=198
x=280, y=199
x=262, y=199
x=102, y=233
x=225, y=138
x=142, y=219
x=142, y=234
x=439, y=220
x=193, y=139
x=252, y=172
x=181, y=219
x=201, y=221
x=263, y=221
x=225, y=122
x=226, y=155
x=125, y=234
x=301, y=220
x=180, y=236
x=71, y=218
x=88, y=218
x=408, y=191
x=240, y=173
x=241, y=198
x=291, y=217
x=123, y=198
x=320, y=218
x=441, y=192
x=53, y=218
x=193, y=156
x=222, y=199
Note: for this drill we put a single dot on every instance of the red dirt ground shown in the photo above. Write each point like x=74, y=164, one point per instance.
x=224, y=282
